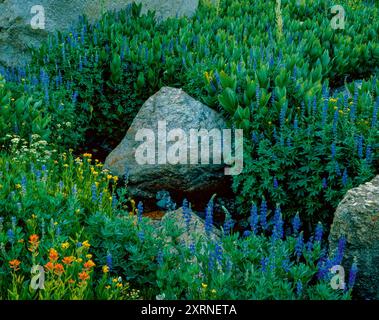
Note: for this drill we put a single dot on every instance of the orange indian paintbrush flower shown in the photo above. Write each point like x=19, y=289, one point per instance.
x=34, y=242
x=58, y=269
x=53, y=255
x=15, y=264
x=49, y=266
x=84, y=276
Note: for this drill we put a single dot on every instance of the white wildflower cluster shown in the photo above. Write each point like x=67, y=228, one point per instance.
x=23, y=151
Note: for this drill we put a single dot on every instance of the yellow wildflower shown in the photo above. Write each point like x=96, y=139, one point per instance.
x=105, y=269
x=65, y=245
x=204, y=285
x=86, y=244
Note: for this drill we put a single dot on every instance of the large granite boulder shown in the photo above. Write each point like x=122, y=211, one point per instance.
x=17, y=34
x=357, y=218
x=174, y=109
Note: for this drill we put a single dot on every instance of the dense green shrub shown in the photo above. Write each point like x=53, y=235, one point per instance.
x=21, y=115
x=60, y=214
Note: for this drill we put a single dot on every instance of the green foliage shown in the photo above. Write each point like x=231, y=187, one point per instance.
x=62, y=214
x=270, y=70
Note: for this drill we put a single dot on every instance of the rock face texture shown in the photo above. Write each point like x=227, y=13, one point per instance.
x=177, y=110
x=196, y=227
x=16, y=33
x=357, y=218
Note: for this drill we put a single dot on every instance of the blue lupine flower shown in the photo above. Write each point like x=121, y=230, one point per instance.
x=186, y=214
x=192, y=248
x=319, y=232
x=258, y=94
x=296, y=224
x=11, y=236
x=369, y=154
x=276, y=183
x=23, y=184
x=340, y=251
x=114, y=202
x=314, y=106
x=309, y=245
x=294, y=74
x=160, y=260
x=58, y=231
x=263, y=214
x=109, y=260
x=324, y=113
x=255, y=137
x=324, y=266
x=324, y=183
x=286, y=264
x=228, y=225
x=75, y=97
x=218, y=253
x=299, y=288
x=282, y=117
x=335, y=121
x=254, y=218
x=360, y=146
x=94, y=192
x=246, y=233
x=352, y=275
x=345, y=100
x=209, y=218
x=299, y=246
x=345, y=178
x=296, y=124
x=139, y=211
x=374, y=120
x=264, y=262
x=79, y=245
x=217, y=77
x=141, y=235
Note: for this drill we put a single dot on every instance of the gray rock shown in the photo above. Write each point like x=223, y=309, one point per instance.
x=196, y=230
x=179, y=110
x=16, y=33
x=357, y=218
